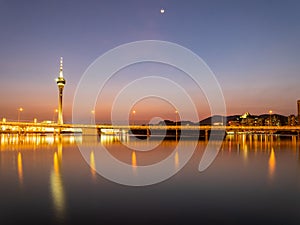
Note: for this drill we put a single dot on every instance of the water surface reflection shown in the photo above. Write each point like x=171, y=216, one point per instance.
x=254, y=179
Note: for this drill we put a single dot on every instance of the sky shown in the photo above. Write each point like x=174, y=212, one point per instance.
x=252, y=47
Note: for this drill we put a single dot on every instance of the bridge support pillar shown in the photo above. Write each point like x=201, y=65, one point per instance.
x=89, y=131
x=90, y=135
x=148, y=132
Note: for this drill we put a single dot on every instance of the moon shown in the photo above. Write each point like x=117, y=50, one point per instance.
x=162, y=10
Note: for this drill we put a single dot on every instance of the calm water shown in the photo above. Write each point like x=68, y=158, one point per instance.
x=46, y=180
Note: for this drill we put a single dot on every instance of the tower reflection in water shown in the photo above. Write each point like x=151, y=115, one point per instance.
x=57, y=189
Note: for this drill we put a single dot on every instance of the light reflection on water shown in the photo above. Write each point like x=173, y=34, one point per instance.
x=93, y=163
x=272, y=163
x=71, y=190
x=20, y=168
x=176, y=160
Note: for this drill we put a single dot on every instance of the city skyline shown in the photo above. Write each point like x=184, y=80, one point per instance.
x=252, y=48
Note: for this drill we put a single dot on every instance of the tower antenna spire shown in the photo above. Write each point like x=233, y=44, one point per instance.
x=61, y=74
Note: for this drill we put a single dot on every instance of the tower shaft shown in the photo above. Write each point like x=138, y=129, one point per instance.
x=60, y=105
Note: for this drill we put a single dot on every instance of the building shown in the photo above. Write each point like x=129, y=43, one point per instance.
x=298, y=115
x=292, y=120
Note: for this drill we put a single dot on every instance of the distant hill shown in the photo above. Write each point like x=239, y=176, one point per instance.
x=172, y=123
x=283, y=119
x=218, y=120
x=215, y=119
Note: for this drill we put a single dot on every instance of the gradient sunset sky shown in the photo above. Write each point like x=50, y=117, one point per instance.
x=252, y=47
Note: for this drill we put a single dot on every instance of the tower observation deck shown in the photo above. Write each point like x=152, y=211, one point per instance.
x=60, y=81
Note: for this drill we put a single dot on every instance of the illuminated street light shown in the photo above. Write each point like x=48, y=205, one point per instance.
x=19, y=113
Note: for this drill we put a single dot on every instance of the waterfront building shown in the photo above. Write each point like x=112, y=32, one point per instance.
x=298, y=116
x=292, y=120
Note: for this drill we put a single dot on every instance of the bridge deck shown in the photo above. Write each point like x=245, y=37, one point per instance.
x=145, y=127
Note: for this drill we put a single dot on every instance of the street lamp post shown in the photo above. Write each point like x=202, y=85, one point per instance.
x=92, y=115
x=176, y=118
x=176, y=130
x=19, y=113
x=133, y=114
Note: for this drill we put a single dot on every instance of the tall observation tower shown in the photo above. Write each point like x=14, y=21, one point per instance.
x=60, y=81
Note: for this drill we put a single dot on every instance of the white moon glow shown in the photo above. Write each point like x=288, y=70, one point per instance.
x=162, y=11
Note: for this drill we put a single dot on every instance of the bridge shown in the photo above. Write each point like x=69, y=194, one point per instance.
x=87, y=129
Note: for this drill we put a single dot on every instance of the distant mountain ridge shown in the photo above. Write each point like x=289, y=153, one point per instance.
x=275, y=118
x=245, y=119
